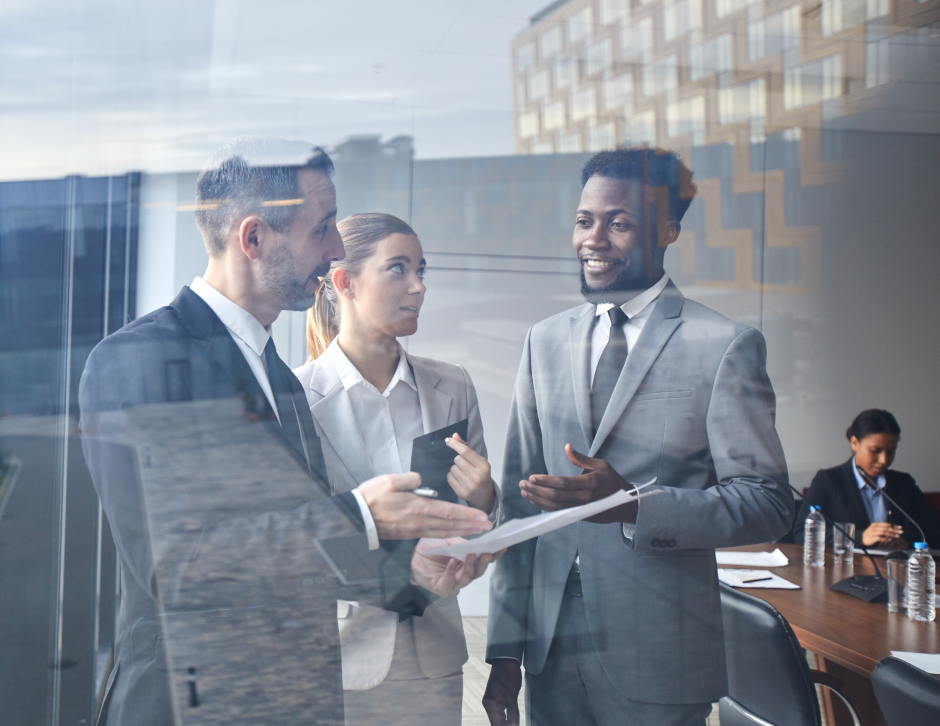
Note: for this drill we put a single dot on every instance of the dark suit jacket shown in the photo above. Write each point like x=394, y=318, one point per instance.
x=223, y=557
x=836, y=492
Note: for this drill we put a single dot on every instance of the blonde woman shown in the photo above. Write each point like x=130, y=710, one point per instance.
x=369, y=400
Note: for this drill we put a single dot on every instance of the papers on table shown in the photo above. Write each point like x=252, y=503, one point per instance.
x=929, y=662
x=763, y=579
x=519, y=530
x=753, y=559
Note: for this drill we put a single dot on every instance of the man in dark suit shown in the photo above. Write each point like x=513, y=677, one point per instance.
x=209, y=469
x=852, y=492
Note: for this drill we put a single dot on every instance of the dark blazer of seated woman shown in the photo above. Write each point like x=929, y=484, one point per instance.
x=837, y=493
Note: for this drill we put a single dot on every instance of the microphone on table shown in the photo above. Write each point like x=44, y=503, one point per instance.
x=870, y=588
x=874, y=487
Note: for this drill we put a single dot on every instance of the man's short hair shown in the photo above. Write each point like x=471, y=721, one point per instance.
x=253, y=175
x=650, y=167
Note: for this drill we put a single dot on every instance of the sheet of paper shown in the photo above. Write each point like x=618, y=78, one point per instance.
x=753, y=559
x=929, y=662
x=766, y=579
x=519, y=530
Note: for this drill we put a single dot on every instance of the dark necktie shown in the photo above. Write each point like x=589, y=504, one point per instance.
x=609, y=367
x=284, y=398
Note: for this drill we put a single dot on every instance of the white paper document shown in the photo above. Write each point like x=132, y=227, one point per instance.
x=753, y=559
x=764, y=579
x=519, y=530
x=929, y=662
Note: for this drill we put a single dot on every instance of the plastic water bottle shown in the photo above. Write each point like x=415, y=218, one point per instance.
x=814, y=542
x=920, y=584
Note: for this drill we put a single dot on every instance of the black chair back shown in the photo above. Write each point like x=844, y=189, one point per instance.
x=907, y=695
x=767, y=671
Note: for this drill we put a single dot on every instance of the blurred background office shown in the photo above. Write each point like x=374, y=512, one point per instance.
x=812, y=128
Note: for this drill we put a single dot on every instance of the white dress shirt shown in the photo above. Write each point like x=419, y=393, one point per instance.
x=877, y=511
x=388, y=420
x=251, y=337
x=638, y=309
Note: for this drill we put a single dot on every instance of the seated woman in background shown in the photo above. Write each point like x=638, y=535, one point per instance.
x=369, y=400
x=846, y=493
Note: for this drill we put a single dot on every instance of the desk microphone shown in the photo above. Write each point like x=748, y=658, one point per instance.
x=874, y=487
x=870, y=588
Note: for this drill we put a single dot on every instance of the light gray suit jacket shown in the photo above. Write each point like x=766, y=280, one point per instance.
x=367, y=633
x=693, y=407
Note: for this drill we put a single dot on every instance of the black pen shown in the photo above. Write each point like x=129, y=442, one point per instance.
x=757, y=579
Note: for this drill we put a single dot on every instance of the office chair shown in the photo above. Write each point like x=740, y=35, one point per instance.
x=907, y=695
x=769, y=680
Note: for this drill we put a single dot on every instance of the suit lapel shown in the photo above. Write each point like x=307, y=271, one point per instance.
x=212, y=338
x=334, y=413
x=435, y=404
x=579, y=343
x=660, y=326
x=853, y=495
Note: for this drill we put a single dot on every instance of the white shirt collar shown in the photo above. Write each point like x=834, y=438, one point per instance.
x=238, y=320
x=862, y=484
x=350, y=375
x=635, y=305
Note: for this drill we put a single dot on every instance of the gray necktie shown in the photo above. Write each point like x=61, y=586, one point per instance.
x=608, y=367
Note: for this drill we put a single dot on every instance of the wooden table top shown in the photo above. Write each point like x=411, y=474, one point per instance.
x=839, y=627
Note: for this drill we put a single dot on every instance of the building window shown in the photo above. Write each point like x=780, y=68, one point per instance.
x=550, y=42
x=601, y=137
x=637, y=39
x=612, y=10
x=837, y=15
x=598, y=57
x=775, y=33
x=542, y=147
x=641, y=129
x=538, y=86
x=618, y=92
x=712, y=56
x=876, y=62
x=579, y=25
x=525, y=57
x=528, y=124
x=743, y=102
x=566, y=72
x=660, y=76
x=681, y=16
x=687, y=117
x=583, y=104
x=812, y=83
x=726, y=7
x=569, y=143
x=553, y=115
x=520, y=94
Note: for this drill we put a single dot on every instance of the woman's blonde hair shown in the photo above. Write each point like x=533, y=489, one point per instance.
x=360, y=233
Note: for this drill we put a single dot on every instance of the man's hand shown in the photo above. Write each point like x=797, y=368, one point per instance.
x=550, y=493
x=501, y=698
x=442, y=575
x=399, y=514
x=470, y=476
x=883, y=534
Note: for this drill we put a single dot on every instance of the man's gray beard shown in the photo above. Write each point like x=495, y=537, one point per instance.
x=280, y=277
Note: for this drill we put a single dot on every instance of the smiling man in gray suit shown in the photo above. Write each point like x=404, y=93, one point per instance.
x=617, y=619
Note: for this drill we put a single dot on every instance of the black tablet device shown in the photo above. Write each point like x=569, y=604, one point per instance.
x=432, y=459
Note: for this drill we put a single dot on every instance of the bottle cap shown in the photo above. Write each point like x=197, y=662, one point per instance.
x=814, y=507
x=920, y=545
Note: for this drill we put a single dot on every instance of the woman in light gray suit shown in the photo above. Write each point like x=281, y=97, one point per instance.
x=369, y=400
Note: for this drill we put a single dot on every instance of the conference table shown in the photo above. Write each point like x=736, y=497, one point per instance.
x=847, y=636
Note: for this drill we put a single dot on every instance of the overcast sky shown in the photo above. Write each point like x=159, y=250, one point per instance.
x=107, y=86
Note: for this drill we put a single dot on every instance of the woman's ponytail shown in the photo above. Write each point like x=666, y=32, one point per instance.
x=322, y=318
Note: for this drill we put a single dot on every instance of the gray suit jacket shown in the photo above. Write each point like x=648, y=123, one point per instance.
x=693, y=407
x=446, y=395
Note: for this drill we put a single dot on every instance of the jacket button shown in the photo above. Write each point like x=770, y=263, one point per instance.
x=656, y=543
x=671, y=543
